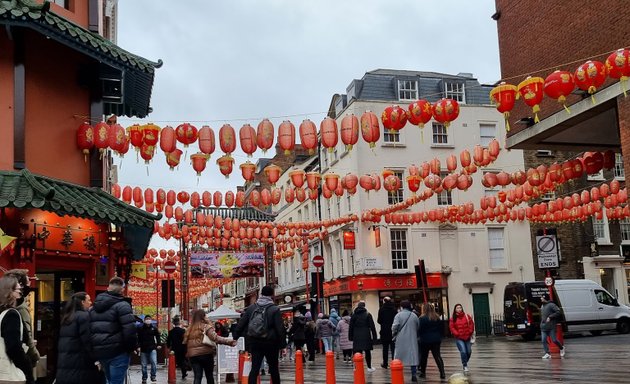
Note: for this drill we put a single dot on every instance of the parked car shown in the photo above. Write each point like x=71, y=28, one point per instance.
x=586, y=306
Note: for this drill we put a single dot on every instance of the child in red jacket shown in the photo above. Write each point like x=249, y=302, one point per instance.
x=462, y=328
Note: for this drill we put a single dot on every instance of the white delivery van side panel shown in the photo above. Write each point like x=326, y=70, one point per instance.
x=578, y=307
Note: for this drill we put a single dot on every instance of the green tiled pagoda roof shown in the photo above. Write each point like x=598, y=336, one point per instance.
x=28, y=13
x=23, y=190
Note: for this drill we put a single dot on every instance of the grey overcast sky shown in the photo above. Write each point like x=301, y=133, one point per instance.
x=238, y=61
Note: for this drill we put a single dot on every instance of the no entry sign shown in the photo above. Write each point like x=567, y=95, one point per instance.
x=318, y=261
x=169, y=267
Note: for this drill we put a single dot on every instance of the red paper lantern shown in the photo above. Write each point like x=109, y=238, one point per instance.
x=394, y=118
x=286, y=136
x=308, y=136
x=147, y=152
x=227, y=139
x=331, y=180
x=503, y=96
x=239, y=201
x=248, y=170
x=370, y=129
x=329, y=134
x=171, y=197
x=349, y=131
x=136, y=135
x=264, y=135
x=618, y=66
x=151, y=134
x=413, y=183
x=313, y=179
x=247, y=136
x=173, y=158
x=276, y=195
x=559, y=85
x=445, y=111
x=85, y=139
x=137, y=197
x=531, y=90
x=297, y=177
x=199, y=161
x=590, y=76
x=391, y=183
x=127, y=194
x=186, y=134
x=609, y=159
x=272, y=172
x=168, y=142
x=183, y=197
x=195, y=201
x=229, y=200
x=350, y=181
x=101, y=137
x=116, y=191
x=225, y=162
x=217, y=199
x=289, y=195
x=300, y=195
x=451, y=163
x=206, y=140
x=419, y=113
x=117, y=137
x=366, y=182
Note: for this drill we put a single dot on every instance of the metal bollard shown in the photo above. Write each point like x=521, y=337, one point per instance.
x=172, y=369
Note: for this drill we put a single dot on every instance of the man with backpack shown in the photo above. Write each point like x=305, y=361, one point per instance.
x=264, y=333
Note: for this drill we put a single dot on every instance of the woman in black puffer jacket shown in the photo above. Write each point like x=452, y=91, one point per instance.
x=76, y=362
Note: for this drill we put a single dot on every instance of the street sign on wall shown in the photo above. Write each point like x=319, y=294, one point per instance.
x=547, y=251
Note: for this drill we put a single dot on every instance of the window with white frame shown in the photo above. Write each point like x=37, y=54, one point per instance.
x=624, y=227
x=454, y=91
x=496, y=249
x=599, y=176
x=601, y=231
x=398, y=239
x=407, y=90
x=619, y=171
x=445, y=197
x=390, y=136
x=396, y=196
x=487, y=132
x=440, y=134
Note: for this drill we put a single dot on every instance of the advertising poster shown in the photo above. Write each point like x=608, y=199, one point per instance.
x=225, y=264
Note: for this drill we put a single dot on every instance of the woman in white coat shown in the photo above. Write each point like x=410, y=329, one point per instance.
x=405, y=333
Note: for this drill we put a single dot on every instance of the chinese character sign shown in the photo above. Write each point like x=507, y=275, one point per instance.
x=139, y=270
x=227, y=264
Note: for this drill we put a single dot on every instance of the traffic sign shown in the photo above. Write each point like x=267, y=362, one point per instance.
x=169, y=267
x=547, y=251
x=549, y=281
x=318, y=261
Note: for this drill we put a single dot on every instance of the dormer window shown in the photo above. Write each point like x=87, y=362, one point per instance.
x=455, y=91
x=407, y=90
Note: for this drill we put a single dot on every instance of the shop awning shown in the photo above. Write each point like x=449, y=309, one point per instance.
x=23, y=190
x=136, y=73
x=592, y=125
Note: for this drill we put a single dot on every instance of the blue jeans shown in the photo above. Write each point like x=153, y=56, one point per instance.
x=465, y=350
x=552, y=334
x=116, y=368
x=146, y=358
x=328, y=343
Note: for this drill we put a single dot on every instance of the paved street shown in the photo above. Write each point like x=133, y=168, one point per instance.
x=589, y=359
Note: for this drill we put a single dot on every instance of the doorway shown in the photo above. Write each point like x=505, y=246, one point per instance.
x=481, y=308
x=54, y=288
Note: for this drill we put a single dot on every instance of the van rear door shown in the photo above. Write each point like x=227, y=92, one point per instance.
x=514, y=306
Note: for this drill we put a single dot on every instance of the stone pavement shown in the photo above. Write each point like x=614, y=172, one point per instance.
x=495, y=360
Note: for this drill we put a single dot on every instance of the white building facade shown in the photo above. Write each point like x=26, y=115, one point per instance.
x=467, y=264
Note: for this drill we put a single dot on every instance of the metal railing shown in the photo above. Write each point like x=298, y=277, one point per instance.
x=486, y=325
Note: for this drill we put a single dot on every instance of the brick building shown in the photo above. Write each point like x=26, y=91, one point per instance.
x=535, y=38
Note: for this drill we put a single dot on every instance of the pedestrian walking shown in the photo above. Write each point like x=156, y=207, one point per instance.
x=14, y=363
x=325, y=331
x=175, y=343
x=264, y=333
x=334, y=320
x=405, y=334
x=76, y=362
x=297, y=333
x=201, y=350
x=362, y=333
x=113, y=331
x=343, y=329
x=309, y=331
x=549, y=316
x=462, y=328
x=430, y=335
x=148, y=345
x=22, y=307
x=385, y=319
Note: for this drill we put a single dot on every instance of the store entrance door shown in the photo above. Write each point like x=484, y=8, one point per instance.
x=54, y=289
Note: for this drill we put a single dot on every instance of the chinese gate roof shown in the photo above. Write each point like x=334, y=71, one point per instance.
x=138, y=71
x=23, y=190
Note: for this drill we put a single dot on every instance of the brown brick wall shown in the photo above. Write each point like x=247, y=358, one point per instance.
x=537, y=37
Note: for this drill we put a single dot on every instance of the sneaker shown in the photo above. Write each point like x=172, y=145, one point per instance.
x=562, y=351
x=371, y=370
x=153, y=380
x=466, y=368
x=546, y=356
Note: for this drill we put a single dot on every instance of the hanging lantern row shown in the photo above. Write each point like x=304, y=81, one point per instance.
x=588, y=77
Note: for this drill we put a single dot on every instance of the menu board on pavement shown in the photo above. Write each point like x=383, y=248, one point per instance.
x=227, y=357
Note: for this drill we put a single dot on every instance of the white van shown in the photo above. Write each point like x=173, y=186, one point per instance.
x=589, y=307
x=586, y=306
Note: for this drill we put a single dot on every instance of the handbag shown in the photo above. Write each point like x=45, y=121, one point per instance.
x=208, y=341
x=472, y=337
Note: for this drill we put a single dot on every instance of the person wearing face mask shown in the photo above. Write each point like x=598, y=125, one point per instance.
x=21, y=275
x=148, y=344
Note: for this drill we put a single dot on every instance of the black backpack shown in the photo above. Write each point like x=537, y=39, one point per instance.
x=257, y=327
